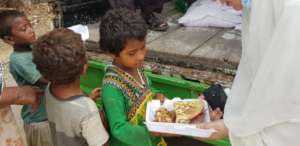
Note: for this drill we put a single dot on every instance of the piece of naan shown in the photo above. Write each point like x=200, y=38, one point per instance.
x=188, y=110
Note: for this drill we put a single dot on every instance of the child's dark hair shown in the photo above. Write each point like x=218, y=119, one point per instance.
x=60, y=56
x=119, y=25
x=6, y=20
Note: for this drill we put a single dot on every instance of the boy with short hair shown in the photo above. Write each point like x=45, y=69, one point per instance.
x=16, y=30
x=75, y=121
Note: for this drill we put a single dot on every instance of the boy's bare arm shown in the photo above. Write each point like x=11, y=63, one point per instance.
x=25, y=95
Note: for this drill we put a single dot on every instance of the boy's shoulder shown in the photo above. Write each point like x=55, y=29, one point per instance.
x=23, y=69
x=80, y=104
x=117, y=77
x=83, y=100
x=111, y=72
x=21, y=57
x=113, y=76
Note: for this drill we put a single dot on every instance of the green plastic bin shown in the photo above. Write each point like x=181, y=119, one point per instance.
x=169, y=86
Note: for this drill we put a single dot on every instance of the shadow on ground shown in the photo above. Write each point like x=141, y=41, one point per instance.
x=184, y=141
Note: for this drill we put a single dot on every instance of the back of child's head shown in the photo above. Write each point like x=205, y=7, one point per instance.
x=7, y=17
x=60, y=56
x=119, y=25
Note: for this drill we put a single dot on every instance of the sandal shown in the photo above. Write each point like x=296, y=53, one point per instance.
x=156, y=23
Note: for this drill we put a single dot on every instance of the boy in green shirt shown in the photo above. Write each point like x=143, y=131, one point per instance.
x=125, y=89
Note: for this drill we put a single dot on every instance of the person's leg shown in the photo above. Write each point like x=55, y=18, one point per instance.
x=150, y=6
x=151, y=11
x=38, y=134
x=129, y=4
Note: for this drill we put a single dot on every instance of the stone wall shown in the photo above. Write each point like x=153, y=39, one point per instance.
x=41, y=17
x=20, y=3
x=12, y=3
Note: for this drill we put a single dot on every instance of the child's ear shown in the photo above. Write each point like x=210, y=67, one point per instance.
x=9, y=40
x=84, y=69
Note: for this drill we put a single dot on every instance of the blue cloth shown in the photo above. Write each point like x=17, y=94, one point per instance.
x=25, y=73
x=247, y=3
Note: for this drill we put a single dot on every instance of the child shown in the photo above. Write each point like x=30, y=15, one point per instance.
x=17, y=31
x=75, y=121
x=216, y=99
x=125, y=88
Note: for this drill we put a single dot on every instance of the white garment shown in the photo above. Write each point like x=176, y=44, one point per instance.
x=266, y=90
x=286, y=134
x=211, y=13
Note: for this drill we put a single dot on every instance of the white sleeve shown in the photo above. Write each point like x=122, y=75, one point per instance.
x=93, y=130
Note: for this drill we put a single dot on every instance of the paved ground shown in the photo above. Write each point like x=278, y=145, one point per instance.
x=201, y=48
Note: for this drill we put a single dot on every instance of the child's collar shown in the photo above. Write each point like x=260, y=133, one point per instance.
x=22, y=48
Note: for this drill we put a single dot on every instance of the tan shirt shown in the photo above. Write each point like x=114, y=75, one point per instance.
x=10, y=133
x=75, y=122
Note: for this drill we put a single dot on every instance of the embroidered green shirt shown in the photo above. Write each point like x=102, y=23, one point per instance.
x=120, y=92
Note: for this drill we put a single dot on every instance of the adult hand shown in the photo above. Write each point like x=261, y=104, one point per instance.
x=28, y=95
x=219, y=126
x=236, y=4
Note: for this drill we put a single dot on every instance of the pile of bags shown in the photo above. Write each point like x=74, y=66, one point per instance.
x=211, y=13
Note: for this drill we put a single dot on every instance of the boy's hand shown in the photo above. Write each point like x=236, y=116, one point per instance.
x=95, y=94
x=236, y=4
x=160, y=97
x=28, y=95
x=215, y=114
x=219, y=126
x=201, y=97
